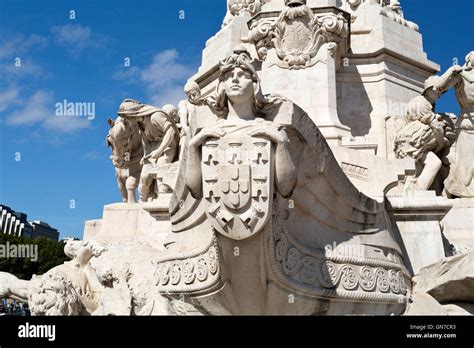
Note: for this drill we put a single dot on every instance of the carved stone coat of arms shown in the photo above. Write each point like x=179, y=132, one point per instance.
x=297, y=35
x=238, y=182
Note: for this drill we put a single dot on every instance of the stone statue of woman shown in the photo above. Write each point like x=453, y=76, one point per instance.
x=259, y=196
x=242, y=104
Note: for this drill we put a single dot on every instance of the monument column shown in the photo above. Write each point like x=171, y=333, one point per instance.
x=300, y=49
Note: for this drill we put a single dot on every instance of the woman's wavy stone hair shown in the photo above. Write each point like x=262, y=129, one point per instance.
x=240, y=58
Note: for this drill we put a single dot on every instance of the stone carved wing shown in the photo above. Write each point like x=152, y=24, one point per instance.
x=329, y=240
x=325, y=207
x=186, y=211
x=325, y=240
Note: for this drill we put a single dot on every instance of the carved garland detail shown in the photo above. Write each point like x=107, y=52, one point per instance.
x=333, y=276
x=238, y=7
x=189, y=274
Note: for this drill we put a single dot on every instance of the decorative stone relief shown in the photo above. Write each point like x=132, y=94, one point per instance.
x=312, y=271
x=297, y=35
x=241, y=167
x=393, y=10
x=68, y=289
x=257, y=179
x=238, y=7
x=355, y=171
x=189, y=273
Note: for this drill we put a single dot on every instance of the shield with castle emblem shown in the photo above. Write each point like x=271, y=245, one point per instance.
x=235, y=188
x=295, y=36
x=238, y=184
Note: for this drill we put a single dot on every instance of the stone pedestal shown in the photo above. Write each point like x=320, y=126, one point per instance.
x=458, y=225
x=361, y=143
x=373, y=175
x=159, y=212
x=418, y=219
x=92, y=229
x=124, y=222
x=120, y=222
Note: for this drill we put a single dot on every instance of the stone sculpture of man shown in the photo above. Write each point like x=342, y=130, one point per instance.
x=460, y=182
x=160, y=136
x=427, y=135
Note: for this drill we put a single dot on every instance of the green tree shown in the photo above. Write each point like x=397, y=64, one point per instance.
x=50, y=254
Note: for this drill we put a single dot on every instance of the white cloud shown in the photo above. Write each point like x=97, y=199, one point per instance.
x=94, y=155
x=39, y=109
x=165, y=70
x=170, y=95
x=163, y=78
x=19, y=44
x=8, y=98
x=65, y=124
x=72, y=34
x=131, y=74
x=27, y=69
x=76, y=37
x=36, y=109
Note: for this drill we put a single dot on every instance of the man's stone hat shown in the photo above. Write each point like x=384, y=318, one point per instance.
x=133, y=108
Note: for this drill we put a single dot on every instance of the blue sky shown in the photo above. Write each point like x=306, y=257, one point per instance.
x=82, y=60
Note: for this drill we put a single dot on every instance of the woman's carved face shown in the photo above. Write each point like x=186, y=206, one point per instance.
x=238, y=85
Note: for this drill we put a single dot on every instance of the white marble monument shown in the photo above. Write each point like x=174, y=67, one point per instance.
x=291, y=180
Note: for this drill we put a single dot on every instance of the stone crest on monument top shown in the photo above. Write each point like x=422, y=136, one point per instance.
x=297, y=34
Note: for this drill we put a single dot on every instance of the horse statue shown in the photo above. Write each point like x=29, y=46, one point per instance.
x=127, y=150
